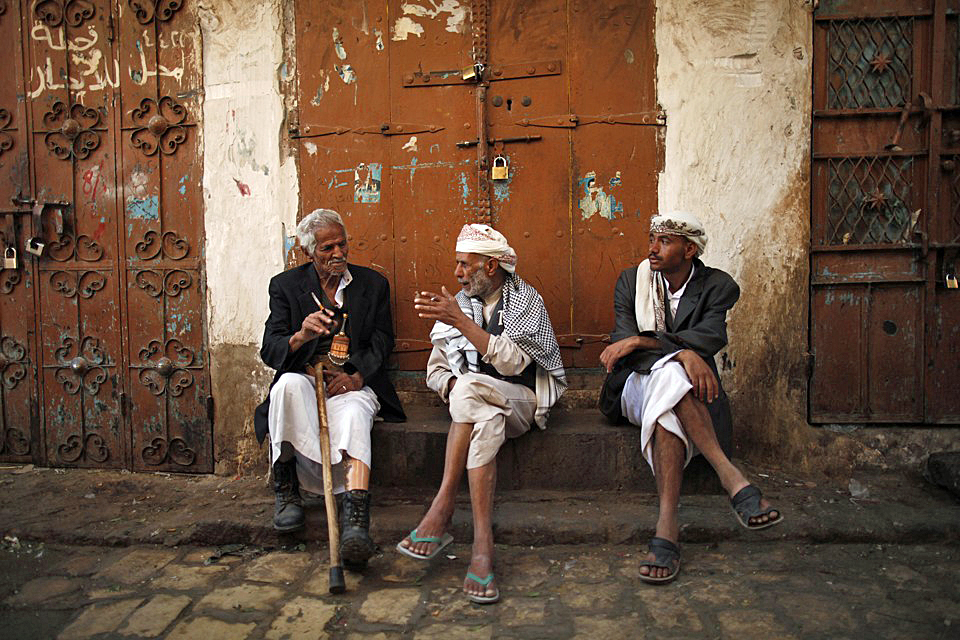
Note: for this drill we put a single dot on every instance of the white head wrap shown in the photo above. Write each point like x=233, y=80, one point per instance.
x=681, y=223
x=487, y=241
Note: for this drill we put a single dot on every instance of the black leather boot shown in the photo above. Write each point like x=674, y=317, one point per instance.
x=288, y=507
x=356, y=545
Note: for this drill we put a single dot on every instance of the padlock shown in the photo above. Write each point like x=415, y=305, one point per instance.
x=469, y=73
x=10, y=258
x=951, y=281
x=35, y=246
x=499, y=170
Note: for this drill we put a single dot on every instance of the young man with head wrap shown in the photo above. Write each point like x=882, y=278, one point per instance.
x=496, y=361
x=671, y=319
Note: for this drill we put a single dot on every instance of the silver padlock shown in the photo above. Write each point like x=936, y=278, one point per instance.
x=10, y=258
x=35, y=246
x=499, y=170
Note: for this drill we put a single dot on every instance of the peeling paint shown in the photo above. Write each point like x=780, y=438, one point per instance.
x=501, y=190
x=322, y=88
x=366, y=182
x=143, y=208
x=411, y=144
x=183, y=185
x=379, y=34
x=310, y=147
x=464, y=187
x=455, y=21
x=404, y=26
x=628, y=55
x=242, y=188
x=338, y=45
x=596, y=201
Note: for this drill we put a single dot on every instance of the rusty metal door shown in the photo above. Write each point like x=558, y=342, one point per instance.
x=885, y=311
x=112, y=300
x=403, y=109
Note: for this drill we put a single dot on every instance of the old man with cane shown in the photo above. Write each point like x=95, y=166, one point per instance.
x=496, y=361
x=331, y=313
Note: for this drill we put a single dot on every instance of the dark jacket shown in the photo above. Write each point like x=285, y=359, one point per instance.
x=370, y=329
x=700, y=325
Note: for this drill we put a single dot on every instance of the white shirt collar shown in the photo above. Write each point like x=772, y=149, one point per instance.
x=345, y=279
x=675, y=297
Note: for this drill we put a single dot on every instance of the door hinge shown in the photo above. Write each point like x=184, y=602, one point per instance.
x=210, y=409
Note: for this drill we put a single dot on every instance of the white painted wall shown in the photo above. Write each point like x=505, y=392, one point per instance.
x=250, y=191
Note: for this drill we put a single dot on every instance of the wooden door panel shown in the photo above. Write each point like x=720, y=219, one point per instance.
x=19, y=410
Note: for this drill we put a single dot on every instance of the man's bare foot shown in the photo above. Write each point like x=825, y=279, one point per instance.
x=433, y=525
x=480, y=570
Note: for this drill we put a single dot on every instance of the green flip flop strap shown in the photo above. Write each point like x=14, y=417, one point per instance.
x=476, y=578
x=415, y=538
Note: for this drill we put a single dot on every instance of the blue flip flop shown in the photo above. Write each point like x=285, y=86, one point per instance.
x=442, y=542
x=483, y=582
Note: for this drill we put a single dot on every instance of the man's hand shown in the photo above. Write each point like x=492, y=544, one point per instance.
x=705, y=385
x=617, y=350
x=314, y=325
x=340, y=382
x=441, y=307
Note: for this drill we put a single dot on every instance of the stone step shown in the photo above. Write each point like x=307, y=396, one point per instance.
x=579, y=451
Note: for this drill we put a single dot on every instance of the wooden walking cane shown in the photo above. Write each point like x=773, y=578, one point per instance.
x=337, y=584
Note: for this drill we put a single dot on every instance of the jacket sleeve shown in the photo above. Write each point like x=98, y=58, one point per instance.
x=625, y=316
x=370, y=356
x=275, y=349
x=709, y=334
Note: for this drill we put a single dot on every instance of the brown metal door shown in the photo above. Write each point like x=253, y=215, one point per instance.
x=883, y=323
x=396, y=132
x=117, y=307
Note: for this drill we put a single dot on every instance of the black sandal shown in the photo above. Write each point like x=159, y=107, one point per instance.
x=666, y=556
x=746, y=505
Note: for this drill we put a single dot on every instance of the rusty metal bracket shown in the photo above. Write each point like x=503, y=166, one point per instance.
x=385, y=129
x=414, y=79
x=572, y=120
x=578, y=340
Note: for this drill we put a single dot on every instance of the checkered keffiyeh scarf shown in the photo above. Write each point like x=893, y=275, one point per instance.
x=527, y=323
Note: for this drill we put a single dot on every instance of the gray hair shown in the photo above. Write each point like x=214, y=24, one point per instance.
x=313, y=222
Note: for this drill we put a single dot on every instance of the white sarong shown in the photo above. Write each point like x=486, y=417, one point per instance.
x=649, y=399
x=293, y=418
x=497, y=409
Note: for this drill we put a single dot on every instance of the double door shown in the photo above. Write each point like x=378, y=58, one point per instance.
x=103, y=360
x=885, y=307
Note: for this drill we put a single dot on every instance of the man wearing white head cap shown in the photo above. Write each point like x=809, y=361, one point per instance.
x=671, y=319
x=496, y=361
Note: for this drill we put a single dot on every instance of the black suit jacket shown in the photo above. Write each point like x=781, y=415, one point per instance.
x=369, y=327
x=700, y=325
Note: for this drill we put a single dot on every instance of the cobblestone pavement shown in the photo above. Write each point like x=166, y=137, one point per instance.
x=771, y=588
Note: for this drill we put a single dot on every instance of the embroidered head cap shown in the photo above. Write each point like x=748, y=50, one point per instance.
x=681, y=223
x=487, y=241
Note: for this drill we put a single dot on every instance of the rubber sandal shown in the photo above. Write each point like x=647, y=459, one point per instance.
x=442, y=542
x=746, y=505
x=484, y=582
x=666, y=556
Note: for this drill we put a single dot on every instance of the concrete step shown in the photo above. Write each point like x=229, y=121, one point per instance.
x=579, y=451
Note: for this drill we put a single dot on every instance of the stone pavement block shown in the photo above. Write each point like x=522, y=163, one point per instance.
x=371, y=636
x=41, y=589
x=589, y=596
x=816, y=614
x=616, y=629
x=450, y=605
x=750, y=623
x=137, y=566
x=184, y=577
x=318, y=583
x=585, y=568
x=152, y=618
x=404, y=569
x=392, y=606
x=673, y=614
x=243, y=597
x=210, y=629
x=454, y=632
x=719, y=592
x=198, y=556
x=301, y=618
x=529, y=571
x=99, y=618
x=517, y=611
x=278, y=567
x=108, y=593
x=81, y=565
